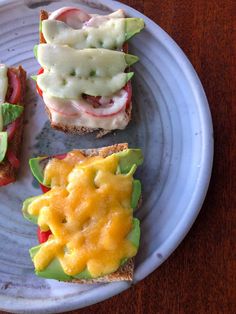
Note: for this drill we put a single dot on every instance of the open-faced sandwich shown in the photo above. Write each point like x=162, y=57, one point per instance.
x=12, y=91
x=87, y=231
x=84, y=77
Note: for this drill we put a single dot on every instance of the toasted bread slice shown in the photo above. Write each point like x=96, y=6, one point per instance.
x=70, y=128
x=7, y=171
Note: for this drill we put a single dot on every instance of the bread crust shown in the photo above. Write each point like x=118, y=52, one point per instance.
x=68, y=128
x=7, y=171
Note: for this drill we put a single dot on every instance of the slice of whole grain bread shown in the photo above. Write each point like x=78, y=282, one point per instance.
x=7, y=171
x=80, y=130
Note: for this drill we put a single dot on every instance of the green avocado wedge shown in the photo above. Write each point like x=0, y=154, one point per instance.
x=128, y=158
x=55, y=271
x=134, y=235
x=37, y=166
x=129, y=76
x=3, y=145
x=35, y=49
x=34, y=77
x=27, y=202
x=133, y=26
x=136, y=193
x=131, y=59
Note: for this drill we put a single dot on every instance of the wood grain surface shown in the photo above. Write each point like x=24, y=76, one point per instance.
x=200, y=276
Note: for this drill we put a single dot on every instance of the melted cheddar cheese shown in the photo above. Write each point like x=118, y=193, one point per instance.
x=89, y=214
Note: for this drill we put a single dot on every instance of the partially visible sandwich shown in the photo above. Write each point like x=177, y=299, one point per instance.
x=12, y=92
x=93, y=90
x=87, y=231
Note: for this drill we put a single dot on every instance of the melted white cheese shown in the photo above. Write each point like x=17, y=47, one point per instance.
x=3, y=89
x=68, y=72
x=82, y=63
x=99, y=32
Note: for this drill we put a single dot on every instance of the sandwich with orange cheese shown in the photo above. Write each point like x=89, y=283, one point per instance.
x=87, y=230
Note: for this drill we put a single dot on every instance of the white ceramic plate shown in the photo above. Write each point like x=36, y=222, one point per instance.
x=171, y=123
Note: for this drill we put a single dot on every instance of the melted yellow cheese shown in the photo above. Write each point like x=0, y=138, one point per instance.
x=88, y=211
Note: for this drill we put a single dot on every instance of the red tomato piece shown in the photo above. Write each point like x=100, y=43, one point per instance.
x=73, y=17
x=11, y=129
x=128, y=88
x=14, y=161
x=5, y=181
x=43, y=235
x=14, y=87
x=40, y=92
x=125, y=47
x=61, y=156
x=44, y=188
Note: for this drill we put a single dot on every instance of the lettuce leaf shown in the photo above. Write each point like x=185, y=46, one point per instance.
x=10, y=112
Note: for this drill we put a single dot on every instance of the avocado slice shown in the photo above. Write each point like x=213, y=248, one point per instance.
x=85, y=274
x=130, y=59
x=3, y=145
x=128, y=158
x=1, y=119
x=37, y=166
x=134, y=235
x=136, y=193
x=27, y=202
x=129, y=76
x=132, y=27
x=40, y=26
x=55, y=271
x=34, y=77
x=35, y=49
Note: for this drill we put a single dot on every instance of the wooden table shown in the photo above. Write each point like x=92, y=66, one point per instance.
x=199, y=276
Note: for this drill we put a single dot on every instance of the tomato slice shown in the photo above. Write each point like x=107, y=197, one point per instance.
x=44, y=188
x=14, y=87
x=5, y=181
x=125, y=47
x=104, y=107
x=11, y=129
x=11, y=157
x=61, y=156
x=73, y=17
x=43, y=235
x=40, y=92
x=128, y=88
x=94, y=100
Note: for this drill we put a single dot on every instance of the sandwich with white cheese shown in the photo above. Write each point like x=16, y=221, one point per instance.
x=12, y=92
x=84, y=77
x=87, y=231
